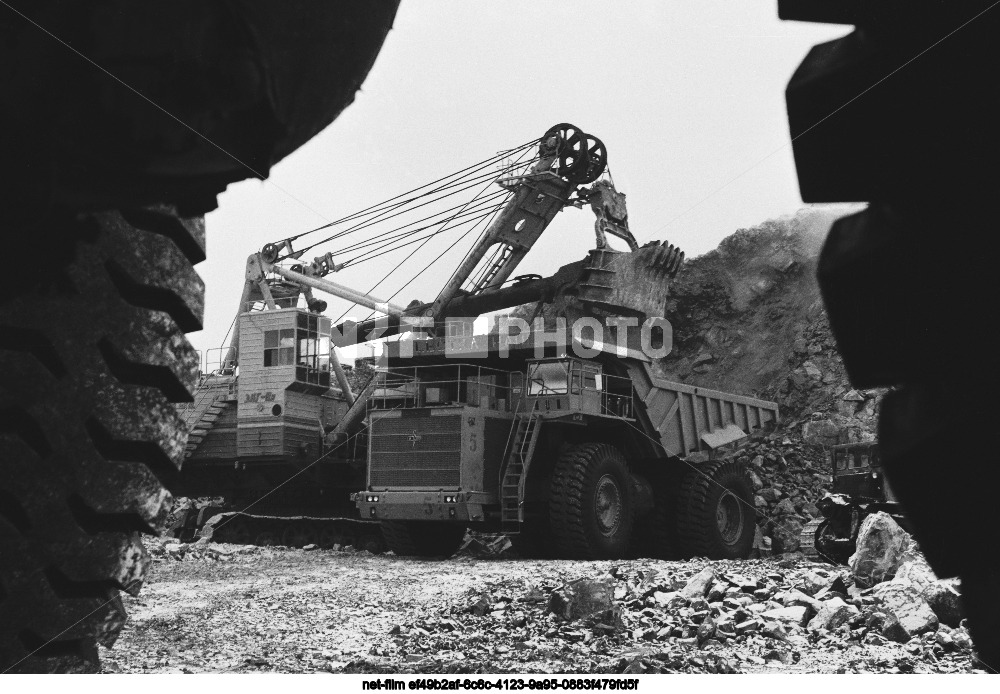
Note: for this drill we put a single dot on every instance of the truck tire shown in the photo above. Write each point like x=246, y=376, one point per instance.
x=715, y=513
x=590, y=503
x=423, y=538
x=92, y=354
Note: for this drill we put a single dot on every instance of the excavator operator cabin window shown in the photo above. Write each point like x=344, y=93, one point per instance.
x=279, y=347
x=312, y=356
x=839, y=459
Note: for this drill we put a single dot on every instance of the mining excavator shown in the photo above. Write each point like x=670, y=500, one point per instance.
x=591, y=456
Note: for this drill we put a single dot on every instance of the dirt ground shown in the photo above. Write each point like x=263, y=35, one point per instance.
x=240, y=609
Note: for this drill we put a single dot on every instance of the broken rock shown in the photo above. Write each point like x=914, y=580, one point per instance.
x=880, y=548
x=916, y=572
x=787, y=535
x=785, y=507
x=795, y=614
x=945, y=601
x=832, y=614
x=582, y=598
x=706, y=630
x=798, y=598
x=812, y=583
x=699, y=584
x=908, y=614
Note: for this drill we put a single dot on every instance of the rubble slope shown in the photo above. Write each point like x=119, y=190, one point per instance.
x=748, y=318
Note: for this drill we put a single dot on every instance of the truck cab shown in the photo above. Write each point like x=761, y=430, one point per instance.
x=576, y=385
x=857, y=472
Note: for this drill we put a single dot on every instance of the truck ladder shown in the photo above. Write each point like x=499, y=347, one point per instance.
x=515, y=472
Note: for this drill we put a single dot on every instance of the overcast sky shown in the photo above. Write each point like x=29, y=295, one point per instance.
x=687, y=95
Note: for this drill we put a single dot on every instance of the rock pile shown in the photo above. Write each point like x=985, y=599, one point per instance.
x=170, y=549
x=789, y=477
x=723, y=617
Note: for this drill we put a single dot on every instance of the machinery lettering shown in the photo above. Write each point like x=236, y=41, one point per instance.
x=259, y=397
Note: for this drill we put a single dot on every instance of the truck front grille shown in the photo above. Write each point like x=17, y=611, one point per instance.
x=423, y=452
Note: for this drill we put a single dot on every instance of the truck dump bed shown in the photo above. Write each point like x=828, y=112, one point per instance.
x=687, y=419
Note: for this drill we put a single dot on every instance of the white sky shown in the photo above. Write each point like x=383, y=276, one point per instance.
x=687, y=95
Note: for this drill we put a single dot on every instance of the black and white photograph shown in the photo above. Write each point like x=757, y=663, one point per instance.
x=454, y=344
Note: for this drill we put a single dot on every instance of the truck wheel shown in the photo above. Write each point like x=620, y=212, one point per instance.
x=715, y=514
x=590, y=504
x=423, y=538
x=92, y=354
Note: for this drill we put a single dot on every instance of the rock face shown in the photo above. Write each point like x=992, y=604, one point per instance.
x=748, y=318
x=582, y=598
x=881, y=547
x=753, y=306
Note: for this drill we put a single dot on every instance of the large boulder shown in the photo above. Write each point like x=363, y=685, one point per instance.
x=908, y=613
x=915, y=571
x=946, y=602
x=582, y=598
x=881, y=548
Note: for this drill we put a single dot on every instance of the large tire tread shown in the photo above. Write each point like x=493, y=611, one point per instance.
x=92, y=355
x=570, y=505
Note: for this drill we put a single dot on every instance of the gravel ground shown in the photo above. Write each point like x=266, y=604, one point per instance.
x=230, y=608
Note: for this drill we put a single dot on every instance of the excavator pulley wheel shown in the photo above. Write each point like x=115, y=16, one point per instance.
x=269, y=253
x=593, y=163
x=570, y=149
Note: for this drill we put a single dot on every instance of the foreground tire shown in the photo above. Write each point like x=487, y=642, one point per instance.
x=590, y=504
x=422, y=538
x=715, y=514
x=92, y=354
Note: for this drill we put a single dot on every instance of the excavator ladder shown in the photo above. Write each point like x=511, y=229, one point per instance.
x=515, y=472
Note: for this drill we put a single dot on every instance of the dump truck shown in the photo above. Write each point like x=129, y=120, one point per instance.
x=590, y=458
x=596, y=455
